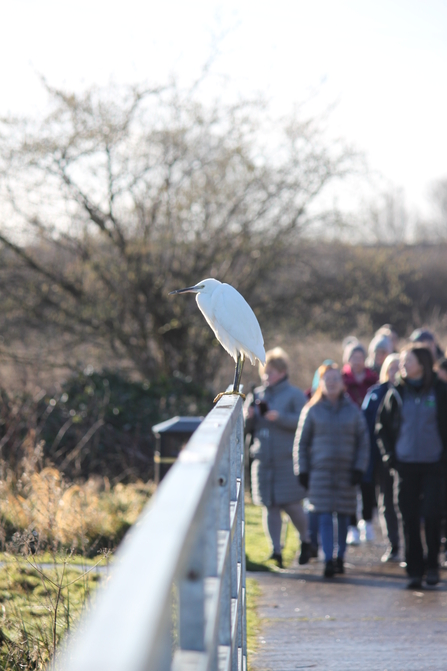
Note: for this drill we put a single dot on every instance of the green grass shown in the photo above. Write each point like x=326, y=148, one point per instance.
x=56, y=558
x=253, y=619
x=39, y=607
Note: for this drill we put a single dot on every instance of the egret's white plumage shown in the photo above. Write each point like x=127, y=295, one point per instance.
x=233, y=321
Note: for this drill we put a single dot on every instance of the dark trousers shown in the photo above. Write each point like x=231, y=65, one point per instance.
x=444, y=514
x=386, y=500
x=421, y=497
x=385, y=480
x=368, y=499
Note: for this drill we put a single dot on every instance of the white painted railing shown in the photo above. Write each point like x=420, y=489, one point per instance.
x=176, y=596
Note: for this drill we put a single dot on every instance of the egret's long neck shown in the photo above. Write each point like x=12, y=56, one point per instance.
x=203, y=301
x=204, y=304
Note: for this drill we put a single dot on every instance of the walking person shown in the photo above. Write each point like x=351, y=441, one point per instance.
x=412, y=436
x=441, y=372
x=378, y=350
x=358, y=378
x=377, y=473
x=391, y=333
x=428, y=339
x=313, y=516
x=330, y=455
x=271, y=415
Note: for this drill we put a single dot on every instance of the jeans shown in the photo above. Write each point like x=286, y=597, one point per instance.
x=313, y=528
x=327, y=534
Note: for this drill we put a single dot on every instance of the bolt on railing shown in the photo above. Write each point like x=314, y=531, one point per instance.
x=176, y=596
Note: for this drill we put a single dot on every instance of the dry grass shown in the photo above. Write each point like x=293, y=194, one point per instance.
x=43, y=594
x=79, y=517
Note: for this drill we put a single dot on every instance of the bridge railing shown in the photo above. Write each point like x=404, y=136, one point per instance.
x=176, y=596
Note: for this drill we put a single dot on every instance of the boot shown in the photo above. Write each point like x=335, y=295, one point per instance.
x=329, y=569
x=306, y=553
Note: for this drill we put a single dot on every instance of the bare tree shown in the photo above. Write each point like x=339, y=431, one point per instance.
x=117, y=196
x=439, y=200
x=385, y=219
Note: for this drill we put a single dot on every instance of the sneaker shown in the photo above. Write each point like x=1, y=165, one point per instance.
x=305, y=554
x=277, y=557
x=415, y=582
x=391, y=555
x=339, y=565
x=353, y=537
x=329, y=569
x=366, y=531
x=432, y=577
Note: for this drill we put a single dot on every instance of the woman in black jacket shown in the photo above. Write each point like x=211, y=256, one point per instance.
x=411, y=433
x=378, y=474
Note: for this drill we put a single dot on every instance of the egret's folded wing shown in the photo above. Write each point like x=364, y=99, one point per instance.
x=233, y=313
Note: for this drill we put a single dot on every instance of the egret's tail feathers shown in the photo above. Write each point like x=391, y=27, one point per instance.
x=254, y=359
x=256, y=355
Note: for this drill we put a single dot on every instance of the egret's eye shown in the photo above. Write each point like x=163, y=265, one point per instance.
x=202, y=287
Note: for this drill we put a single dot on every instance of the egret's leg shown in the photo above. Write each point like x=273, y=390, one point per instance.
x=238, y=372
x=237, y=380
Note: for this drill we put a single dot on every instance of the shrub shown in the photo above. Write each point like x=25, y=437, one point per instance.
x=100, y=423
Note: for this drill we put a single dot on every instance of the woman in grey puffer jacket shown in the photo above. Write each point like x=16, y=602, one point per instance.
x=271, y=416
x=331, y=453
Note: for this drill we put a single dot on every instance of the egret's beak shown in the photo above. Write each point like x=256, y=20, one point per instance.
x=191, y=290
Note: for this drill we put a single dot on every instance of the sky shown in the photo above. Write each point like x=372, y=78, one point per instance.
x=381, y=63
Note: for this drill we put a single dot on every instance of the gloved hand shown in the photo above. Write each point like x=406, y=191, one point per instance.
x=303, y=479
x=356, y=477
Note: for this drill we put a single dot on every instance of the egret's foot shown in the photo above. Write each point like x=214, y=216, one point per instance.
x=229, y=393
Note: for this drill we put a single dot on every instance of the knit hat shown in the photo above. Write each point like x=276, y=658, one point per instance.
x=380, y=342
x=422, y=335
x=351, y=345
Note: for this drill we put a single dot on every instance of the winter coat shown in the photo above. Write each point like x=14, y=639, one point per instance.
x=403, y=413
x=357, y=390
x=331, y=442
x=272, y=479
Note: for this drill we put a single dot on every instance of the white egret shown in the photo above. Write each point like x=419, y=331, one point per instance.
x=233, y=321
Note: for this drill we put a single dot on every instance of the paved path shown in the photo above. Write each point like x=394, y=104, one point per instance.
x=365, y=620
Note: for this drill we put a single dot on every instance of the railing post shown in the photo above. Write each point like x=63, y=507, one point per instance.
x=211, y=558
x=241, y=537
x=224, y=480
x=234, y=482
x=192, y=596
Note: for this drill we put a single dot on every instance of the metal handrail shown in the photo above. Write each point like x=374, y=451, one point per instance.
x=176, y=596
